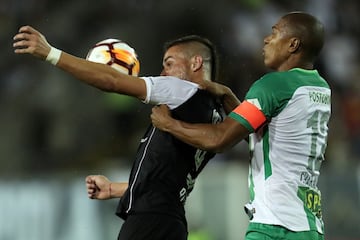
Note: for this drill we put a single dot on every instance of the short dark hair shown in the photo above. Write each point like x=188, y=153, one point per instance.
x=202, y=40
x=309, y=29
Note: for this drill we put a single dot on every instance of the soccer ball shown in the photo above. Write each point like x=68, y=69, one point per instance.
x=116, y=54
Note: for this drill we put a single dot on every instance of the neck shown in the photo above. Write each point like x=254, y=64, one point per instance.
x=200, y=77
x=295, y=61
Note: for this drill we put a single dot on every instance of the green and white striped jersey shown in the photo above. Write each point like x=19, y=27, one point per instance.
x=287, y=148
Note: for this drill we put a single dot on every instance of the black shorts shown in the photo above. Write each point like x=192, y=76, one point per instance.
x=154, y=227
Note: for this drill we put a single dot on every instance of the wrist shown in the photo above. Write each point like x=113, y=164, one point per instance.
x=110, y=190
x=172, y=124
x=53, y=56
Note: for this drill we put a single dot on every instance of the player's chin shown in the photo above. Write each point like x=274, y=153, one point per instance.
x=269, y=64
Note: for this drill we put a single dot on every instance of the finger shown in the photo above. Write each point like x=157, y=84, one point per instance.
x=22, y=36
x=154, y=108
x=88, y=180
x=91, y=190
x=164, y=107
x=90, y=186
x=154, y=111
x=21, y=50
x=27, y=29
x=23, y=44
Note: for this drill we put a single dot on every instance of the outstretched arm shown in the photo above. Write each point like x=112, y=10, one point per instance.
x=30, y=41
x=210, y=137
x=100, y=187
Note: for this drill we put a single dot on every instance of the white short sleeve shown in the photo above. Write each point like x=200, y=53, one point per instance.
x=168, y=90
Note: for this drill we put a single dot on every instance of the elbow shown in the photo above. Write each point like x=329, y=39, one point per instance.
x=223, y=141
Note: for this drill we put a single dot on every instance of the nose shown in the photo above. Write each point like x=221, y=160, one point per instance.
x=163, y=73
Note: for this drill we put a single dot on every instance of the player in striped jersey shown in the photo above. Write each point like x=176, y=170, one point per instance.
x=285, y=114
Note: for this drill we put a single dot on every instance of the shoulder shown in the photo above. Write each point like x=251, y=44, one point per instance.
x=271, y=92
x=169, y=81
x=288, y=80
x=168, y=90
x=268, y=83
x=271, y=79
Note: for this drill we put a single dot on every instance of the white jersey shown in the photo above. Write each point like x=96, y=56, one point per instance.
x=287, y=147
x=168, y=90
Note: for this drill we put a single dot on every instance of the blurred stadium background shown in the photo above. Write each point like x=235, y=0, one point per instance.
x=55, y=130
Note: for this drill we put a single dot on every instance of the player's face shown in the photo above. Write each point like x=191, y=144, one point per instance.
x=276, y=46
x=175, y=63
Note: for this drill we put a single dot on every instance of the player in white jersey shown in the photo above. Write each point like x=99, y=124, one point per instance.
x=285, y=116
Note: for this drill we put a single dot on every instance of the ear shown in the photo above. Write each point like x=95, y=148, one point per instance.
x=294, y=45
x=196, y=63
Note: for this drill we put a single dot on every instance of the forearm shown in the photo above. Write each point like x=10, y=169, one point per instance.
x=117, y=189
x=202, y=136
x=210, y=137
x=97, y=75
x=229, y=100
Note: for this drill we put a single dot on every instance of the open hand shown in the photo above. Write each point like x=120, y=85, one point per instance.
x=29, y=40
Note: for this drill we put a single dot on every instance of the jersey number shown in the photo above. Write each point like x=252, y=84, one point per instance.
x=318, y=124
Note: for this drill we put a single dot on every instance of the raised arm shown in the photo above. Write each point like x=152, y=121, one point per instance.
x=210, y=137
x=30, y=41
